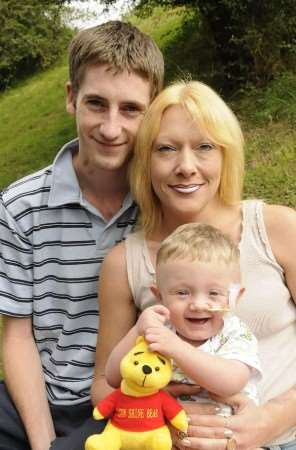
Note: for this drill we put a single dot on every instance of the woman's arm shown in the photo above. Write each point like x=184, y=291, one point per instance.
x=252, y=426
x=280, y=223
x=117, y=316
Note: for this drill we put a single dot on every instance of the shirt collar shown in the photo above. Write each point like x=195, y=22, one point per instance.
x=64, y=187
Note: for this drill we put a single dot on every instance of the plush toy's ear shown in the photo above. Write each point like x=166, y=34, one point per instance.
x=140, y=340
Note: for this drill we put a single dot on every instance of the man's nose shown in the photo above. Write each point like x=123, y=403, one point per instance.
x=111, y=127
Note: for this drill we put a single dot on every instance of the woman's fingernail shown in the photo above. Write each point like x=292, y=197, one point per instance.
x=186, y=442
x=188, y=419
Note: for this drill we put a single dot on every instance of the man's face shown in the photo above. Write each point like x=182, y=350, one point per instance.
x=108, y=108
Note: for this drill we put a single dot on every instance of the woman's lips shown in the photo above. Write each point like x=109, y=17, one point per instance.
x=186, y=189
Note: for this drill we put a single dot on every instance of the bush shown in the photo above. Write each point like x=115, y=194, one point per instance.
x=32, y=36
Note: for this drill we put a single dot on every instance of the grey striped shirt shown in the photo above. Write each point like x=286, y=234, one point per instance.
x=52, y=243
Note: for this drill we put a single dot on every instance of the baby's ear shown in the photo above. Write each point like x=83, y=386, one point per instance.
x=240, y=293
x=155, y=291
x=235, y=292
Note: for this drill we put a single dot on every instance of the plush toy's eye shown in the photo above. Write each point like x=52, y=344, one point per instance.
x=136, y=363
x=157, y=369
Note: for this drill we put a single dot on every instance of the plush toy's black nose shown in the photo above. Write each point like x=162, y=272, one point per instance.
x=146, y=369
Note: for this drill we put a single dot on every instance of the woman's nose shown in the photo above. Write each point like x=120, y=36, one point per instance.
x=187, y=163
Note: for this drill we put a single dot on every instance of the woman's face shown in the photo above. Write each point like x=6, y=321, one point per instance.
x=185, y=166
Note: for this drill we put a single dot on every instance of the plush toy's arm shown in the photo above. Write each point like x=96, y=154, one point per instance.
x=97, y=415
x=180, y=421
x=106, y=407
x=174, y=412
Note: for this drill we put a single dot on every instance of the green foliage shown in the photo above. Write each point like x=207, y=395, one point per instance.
x=186, y=45
x=276, y=102
x=253, y=41
x=33, y=36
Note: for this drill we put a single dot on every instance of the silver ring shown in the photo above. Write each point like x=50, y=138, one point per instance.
x=228, y=433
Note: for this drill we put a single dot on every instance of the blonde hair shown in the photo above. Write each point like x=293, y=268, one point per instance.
x=198, y=242
x=122, y=47
x=208, y=111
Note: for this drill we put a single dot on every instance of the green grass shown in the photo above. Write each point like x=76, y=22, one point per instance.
x=33, y=124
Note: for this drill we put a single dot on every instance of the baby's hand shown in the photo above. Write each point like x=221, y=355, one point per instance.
x=162, y=340
x=153, y=316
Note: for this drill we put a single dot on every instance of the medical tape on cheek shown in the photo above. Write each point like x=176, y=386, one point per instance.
x=233, y=292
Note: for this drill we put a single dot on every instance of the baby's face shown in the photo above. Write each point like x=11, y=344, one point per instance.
x=197, y=295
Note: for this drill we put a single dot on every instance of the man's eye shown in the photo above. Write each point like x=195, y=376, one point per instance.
x=96, y=103
x=131, y=110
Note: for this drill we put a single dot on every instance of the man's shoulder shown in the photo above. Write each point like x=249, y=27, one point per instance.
x=28, y=186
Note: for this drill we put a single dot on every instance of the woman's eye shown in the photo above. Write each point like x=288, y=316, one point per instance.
x=205, y=147
x=165, y=148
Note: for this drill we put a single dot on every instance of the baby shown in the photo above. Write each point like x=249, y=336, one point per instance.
x=197, y=287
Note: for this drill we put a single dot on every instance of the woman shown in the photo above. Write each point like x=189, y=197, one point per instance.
x=188, y=167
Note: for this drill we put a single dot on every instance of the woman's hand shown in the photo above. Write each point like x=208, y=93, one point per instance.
x=249, y=427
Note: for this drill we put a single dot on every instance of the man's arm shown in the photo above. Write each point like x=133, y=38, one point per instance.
x=25, y=381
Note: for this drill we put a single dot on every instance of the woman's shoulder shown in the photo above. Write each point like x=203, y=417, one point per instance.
x=280, y=223
x=279, y=218
x=115, y=256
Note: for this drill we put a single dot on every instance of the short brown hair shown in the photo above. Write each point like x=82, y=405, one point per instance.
x=122, y=47
x=198, y=242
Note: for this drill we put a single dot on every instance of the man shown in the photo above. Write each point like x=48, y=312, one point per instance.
x=56, y=226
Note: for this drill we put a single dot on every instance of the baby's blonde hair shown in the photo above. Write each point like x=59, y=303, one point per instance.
x=198, y=242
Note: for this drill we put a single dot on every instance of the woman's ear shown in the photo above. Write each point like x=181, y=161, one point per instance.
x=155, y=291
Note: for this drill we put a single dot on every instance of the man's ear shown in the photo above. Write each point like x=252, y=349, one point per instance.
x=70, y=99
x=155, y=291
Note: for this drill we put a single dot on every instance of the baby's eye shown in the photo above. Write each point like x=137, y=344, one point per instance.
x=183, y=292
x=214, y=293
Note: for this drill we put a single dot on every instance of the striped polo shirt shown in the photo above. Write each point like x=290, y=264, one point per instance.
x=52, y=243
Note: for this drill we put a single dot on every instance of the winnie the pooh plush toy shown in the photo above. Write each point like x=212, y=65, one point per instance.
x=138, y=410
